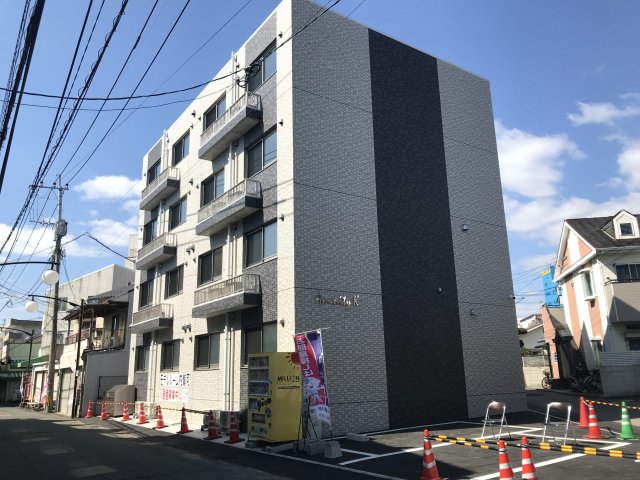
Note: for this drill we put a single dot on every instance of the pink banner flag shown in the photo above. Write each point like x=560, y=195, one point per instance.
x=314, y=388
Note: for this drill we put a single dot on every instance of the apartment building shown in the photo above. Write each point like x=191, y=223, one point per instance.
x=339, y=180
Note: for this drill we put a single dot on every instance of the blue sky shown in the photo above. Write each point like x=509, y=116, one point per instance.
x=564, y=80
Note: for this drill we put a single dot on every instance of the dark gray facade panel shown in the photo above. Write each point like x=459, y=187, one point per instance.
x=141, y=381
x=268, y=179
x=425, y=371
x=262, y=38
x=268, y=311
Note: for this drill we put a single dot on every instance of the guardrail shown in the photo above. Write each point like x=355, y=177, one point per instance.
x=166, y=239
x=168, y=173
x=245, y=187
x=162, y=310
x=247, y=283
x=247, y=100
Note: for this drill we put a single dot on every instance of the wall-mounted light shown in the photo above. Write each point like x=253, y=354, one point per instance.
x=191, y=181
x=186, y=327
x=472, y=313
x=193, y=114
x=439, y=290
x=465, y=227
x=281, y=122
x=282, y=217
x=282, y=322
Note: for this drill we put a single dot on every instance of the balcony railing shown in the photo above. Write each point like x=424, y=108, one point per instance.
x=162, y=310
x=233, y=123
x=157, y=251
x=233, y=205
x=160, y=188
x=240, y=284
x=625, y=301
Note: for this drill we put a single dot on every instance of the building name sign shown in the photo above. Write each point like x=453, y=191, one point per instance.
x=342, y=300
x=174, y=379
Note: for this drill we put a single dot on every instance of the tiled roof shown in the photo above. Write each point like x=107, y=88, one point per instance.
x=593, y=230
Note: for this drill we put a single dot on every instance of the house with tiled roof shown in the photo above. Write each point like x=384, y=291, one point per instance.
x=598, y=274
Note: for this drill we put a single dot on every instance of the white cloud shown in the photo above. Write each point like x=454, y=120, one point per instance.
x=537, y=261
x=112, y=232
x=602, y=113
x=530, y=165
x=38, y=242
x=629, y=164
x=110, y=187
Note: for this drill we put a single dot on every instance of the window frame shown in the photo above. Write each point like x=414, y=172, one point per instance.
x=260, y=231
x=148, y=287
x=155, y=168
x=630, y=225
x=260, y=62
x=213, y=107
x=245, y=353
x=145, y=358
x=213, y=178
x=154, y=224
x=196, y=362
x=180, y=281
x=175, y=356
x=260, y=144
x=182, y=204
x=214, y=277
x=180, y=142
x=587, y=285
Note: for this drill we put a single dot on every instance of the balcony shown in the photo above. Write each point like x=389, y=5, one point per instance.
x=155, y=317
x=237, y=293
x=233, y=205
x=234, y=123
x=157, y=251
x=160, y=188
x=625, y=302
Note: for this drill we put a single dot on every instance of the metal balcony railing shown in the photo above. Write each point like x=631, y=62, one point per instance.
x=241, y=284
x=249, y=99
x=164, y=240
x=162, y=310
x=251, y=188
x=169, y=173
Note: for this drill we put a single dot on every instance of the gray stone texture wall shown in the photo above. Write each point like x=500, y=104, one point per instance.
x=492, y=364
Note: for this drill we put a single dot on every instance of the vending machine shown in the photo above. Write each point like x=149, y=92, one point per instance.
x=274, y=397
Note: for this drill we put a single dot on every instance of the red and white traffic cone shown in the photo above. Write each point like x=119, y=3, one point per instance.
x=90, y=410
x=212, y=431
x=594, y=432
x=159, y=420
x=184, y=427
x=528, y=467
x=584, y=416
x=125, y=413
x=103, y=414
x=429, y=467
x=234, y=437
x=142, y=417
x=506, y=472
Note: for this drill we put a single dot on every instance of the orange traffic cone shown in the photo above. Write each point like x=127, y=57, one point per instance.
x=503, y=459
x=234, y=437
x=594, y=432
x=212, y=432
x=142, y=417
x=160, y=420
x=584, y=417
x=103, y=414
x=528, y=467
x=429, y=467
x=184, y=427
x=125, y=413
x=90, y=410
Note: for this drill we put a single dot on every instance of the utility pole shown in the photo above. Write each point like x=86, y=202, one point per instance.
x=61, y=231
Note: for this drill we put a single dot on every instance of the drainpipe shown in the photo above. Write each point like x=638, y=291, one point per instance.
x=226, y=362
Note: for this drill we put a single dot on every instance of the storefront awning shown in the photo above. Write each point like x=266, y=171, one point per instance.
x=34, y=361
x=10, y=375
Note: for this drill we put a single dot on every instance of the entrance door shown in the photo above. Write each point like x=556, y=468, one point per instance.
x=65, y=392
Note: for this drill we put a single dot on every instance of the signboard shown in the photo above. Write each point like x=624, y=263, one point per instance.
x=174, y=394
x=174, y=379
x=314, y=389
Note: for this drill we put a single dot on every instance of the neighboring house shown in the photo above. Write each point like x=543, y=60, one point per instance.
x=598, y=273
x=93, y=355
x=344, y=181
x=16, y=346
x=531, y=333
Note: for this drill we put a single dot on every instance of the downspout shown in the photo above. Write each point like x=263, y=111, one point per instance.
x=226, y=362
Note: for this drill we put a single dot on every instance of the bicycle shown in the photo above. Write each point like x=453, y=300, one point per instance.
x=593, y=383
x=546, y=380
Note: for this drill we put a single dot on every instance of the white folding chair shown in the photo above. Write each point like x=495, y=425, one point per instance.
x=563, y=419
x=496, y=414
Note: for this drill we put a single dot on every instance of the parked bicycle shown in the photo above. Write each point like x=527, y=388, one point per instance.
x=546, y=380
x=590, y=383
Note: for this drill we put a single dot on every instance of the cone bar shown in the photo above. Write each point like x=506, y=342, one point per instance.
x=125, y=413
x=90, y=409
x=584, y=416
x=528, y=467
x=594, y=432
x=103, y=414
x=626, y=432
x=506, y=471
x=184, y=427
x=142, y=417
x=160, y=419
x=233, y=430
x=429, y=467
x=212, y=431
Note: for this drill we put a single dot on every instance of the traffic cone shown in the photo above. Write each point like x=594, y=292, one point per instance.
x=429, y=467
x=125, y=413
x=184, y=427
x=506, y=472
x=90, y=410
x=626, y=432
x=103, y=414
x=212, y=431
x=142, y=417
x=528, y=467
x=234, y=437
x=584, y=416
x=594, y=432
x=160, y=420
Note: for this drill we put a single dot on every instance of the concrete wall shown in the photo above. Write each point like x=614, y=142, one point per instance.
x=620, y=381
x=533, y=377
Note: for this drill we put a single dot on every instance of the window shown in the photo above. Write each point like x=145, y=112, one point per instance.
x=634, y=343
x=150, y=230
x=262, y=244
x=210, y=266
x=263, y=153
x=215, y=112
x=629, y=272
x=587, y=285
x=146, y=293
x=63, y=303
x=181, y=149
x=263, y=68
x=212, y=188
x=173, y=282
x=626, y=229
x=170, y=355
x=153, y=172
x=208, y=351
x=259, y=340
x=142, y=358
x=178, y=213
